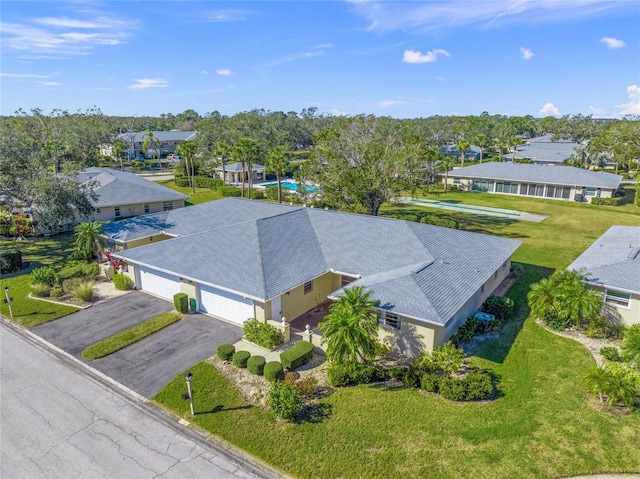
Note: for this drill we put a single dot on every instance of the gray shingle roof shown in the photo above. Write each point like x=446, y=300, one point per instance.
x=613, y=259
x=115, y=187
x=543, y=149
x=262, y=250
x=554, y=175
x=238, y=167
x=162, y=136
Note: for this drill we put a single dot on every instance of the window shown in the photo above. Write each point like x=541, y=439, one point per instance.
x=617, y=297
x=387, y=318
x=308, y=287
x=507, y=187
x=456, y=180
x=97, y=210
x=504, y=266
x=167, y=206
x=146, y=207
x=483, y=185
x=482, y=289
x=591, y=192
x=495, y=275
x=116, y=211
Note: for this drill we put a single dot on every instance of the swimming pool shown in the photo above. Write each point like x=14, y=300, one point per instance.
x=291, y=185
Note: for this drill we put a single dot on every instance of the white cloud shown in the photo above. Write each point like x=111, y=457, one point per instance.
x=226, y=16
x=633, y=106
x=456, y=14
x=316, y=51
x=526, y=54
x=413, y=56
x=596, y=111
x=143, y=83
x=21, y=75
x=549, y=109
x=224, y=72
x=204, y=72
x=49, y=83
x=336, y=112
x=613, y=43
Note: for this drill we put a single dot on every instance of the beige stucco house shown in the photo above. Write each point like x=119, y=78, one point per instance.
x=240, y=259
x=612, y=265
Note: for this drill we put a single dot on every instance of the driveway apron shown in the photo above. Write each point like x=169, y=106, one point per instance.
x=145, y=366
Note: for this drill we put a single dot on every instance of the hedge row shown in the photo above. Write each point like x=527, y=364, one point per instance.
x=181, y=302
x=199, y=182
x=606, y=201
x=299, y=355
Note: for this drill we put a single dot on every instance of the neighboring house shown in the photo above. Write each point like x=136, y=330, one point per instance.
x=233, y=172
x=612, y=265
x=168, y=141
x=121, y=194
x=240, y=259
x=542, y=151
x=473, y=153
x=558, y=182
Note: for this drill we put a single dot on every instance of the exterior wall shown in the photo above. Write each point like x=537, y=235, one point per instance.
x=107, y=213
x=624, y=315
x=262, y=310
x=295, y=302
x=466, y=184
x=412, y=337
x=190, y=289
x=473, y=304
x=143, y=241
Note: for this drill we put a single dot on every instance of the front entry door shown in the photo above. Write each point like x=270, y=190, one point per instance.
x=276, y=308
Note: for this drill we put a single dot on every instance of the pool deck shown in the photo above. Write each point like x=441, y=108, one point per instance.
x=475, y=209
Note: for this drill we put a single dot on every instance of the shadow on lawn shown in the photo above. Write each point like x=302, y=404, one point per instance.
x=496, y=350
x=220, y=408
x=315, y=413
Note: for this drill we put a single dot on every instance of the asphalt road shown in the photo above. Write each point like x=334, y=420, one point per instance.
x=60, y=419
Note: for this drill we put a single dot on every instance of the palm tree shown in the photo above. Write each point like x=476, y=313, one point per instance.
x=541, y=297
x=462, y=146
x=514, y=141
x=351, y=327
x=573, y=301
x=245, y=151
x=224, y=151
x=89, y=242
x=117, y=149
x=151, y=142
x=446, y=164
x=188, y=150
x=481, y=142
x=278, y=161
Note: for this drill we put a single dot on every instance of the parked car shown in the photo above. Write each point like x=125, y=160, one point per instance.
x=174, y=157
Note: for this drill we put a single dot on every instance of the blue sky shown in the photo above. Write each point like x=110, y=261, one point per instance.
x=400, y=59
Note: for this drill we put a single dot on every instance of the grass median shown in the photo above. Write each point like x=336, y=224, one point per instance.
x=129, y=336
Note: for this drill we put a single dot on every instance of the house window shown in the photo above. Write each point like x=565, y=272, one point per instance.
x=97, y=210
x=482, y=289
x=167, y=206
x=504, y=266
x=617, y=298
x=591, y=192
x=456, y=180
x=116, y=211
x=390, y=319
x=146, y=207
x=308, y=287
x=483, y=185
x=495, y=275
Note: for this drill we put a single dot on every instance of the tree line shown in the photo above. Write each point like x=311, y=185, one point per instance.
x=384, y=154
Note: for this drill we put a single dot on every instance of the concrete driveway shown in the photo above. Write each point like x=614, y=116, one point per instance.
x=145, y=366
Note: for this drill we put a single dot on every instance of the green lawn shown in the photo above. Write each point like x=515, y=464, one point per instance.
x=201, y=195
x=555, y=242
x=541, y=426
x=129, y=336
x=38, y=252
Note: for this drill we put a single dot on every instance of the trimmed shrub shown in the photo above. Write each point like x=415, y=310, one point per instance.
x=285, y=400
x=10, y=261
x=411, y=377
x=181, y=302
x=353, y=374
x=71, y=284
x=273, y=371
x=429, y=382
x=452, y=389
x=240, y=358
x=300, y=354
x=255, y=365
x=438, y=221
x=40, y=290
x=501, y=307
x=610, y=353
x=271, y=193
x=397, y=372
x=476, y=386
x=631, y=345
x=44, y=275
x=122, y=282
x=227, y=191
x=605, y=201
x=198, y=182
x=226, y=351
x=263, y=334
x=257, y=195
x=78, y=269
x=84, y=291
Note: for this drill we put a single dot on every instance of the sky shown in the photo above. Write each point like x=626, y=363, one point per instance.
x=400, y=59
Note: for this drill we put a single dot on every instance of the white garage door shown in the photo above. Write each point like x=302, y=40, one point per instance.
x=156, y=282
x=225, y=305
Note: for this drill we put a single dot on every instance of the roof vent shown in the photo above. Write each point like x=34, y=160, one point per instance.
x=633, y=254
